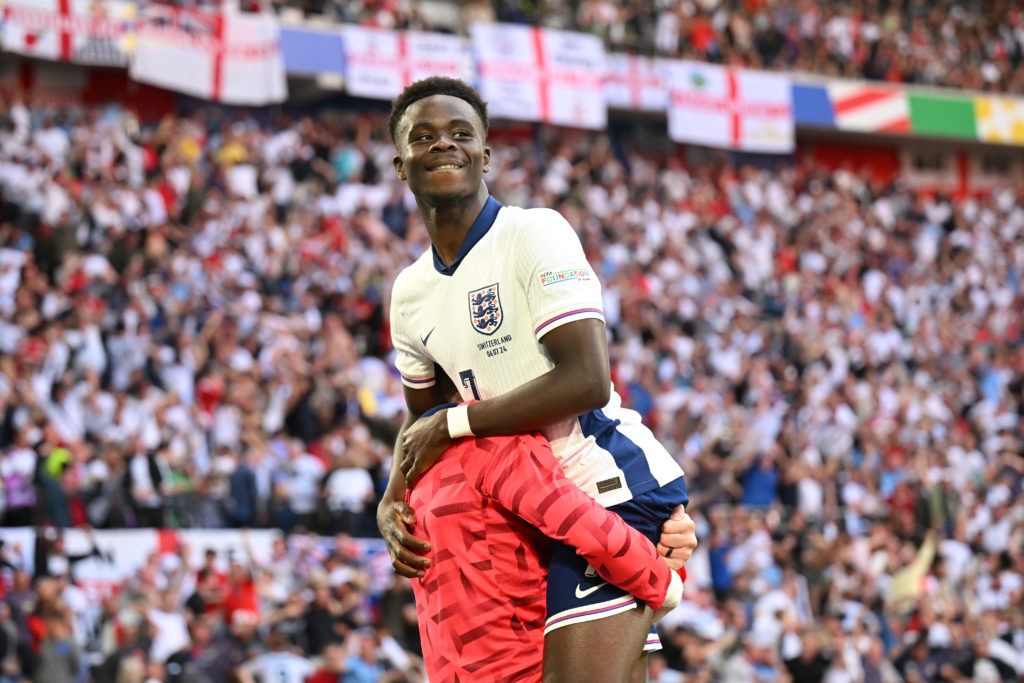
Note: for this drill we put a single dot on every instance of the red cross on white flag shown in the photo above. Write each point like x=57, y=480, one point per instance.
x=636, y=83
x=82, y=31
x=379, y=62
x=732, y=108
x=226, y=57
x=535, y=74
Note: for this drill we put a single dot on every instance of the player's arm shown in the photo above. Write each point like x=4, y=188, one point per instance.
x=524, y=477
x=579, y=382
x=394, y=515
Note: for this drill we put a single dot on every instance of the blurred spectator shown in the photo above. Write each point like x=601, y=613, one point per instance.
x=9, y=643
x=145, y=477
x=322, y=618
x=199, y=661
x=242, y=493
x=58, y=659
x=17, y=474
x=51, y=557
x=278, y=663
x=333, y=666
x=363, y=665
x=349, y=493
x=169, y=626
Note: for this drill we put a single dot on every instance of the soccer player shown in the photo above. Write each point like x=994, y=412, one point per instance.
x=505, y=310
x=488, y=507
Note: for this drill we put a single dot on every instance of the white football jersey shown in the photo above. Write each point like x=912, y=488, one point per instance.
x=520, y=274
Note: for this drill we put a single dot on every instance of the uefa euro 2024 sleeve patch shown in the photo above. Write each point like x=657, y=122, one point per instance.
x=485, y=309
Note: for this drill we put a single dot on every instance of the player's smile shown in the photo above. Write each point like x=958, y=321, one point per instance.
x=445, y=166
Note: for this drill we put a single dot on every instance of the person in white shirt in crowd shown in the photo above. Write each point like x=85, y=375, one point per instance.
x=170, y=628
x=278, y=665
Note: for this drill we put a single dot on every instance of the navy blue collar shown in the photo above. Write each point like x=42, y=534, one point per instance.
x=476, y=233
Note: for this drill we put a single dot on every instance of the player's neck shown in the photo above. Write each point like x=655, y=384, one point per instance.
x=448, y=222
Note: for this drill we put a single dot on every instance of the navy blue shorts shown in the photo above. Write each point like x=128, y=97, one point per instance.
x=575, y=591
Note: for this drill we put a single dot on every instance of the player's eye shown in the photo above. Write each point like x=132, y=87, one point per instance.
x=462, y=133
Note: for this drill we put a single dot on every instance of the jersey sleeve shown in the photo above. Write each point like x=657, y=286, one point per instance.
x=522, y=475
x=560, y=284
x=414, y=365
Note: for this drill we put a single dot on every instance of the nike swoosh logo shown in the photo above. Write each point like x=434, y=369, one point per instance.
x=582, y=594
x=424, y=339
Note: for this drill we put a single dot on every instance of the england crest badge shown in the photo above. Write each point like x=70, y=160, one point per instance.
x=485, y=309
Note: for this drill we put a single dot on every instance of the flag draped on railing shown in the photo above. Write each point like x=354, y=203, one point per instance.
x=233, y=58
x=729, y=107
x=535, y=74
x=379, y=63
x=97, y=32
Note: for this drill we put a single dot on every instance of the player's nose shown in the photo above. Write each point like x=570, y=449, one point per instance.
x=443, y=142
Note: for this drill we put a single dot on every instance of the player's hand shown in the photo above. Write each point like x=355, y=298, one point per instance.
x=678, y=538
x=394, y=520
x=423, y=442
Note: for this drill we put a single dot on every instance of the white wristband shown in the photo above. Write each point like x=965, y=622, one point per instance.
x=674, y=596
x=458, y=422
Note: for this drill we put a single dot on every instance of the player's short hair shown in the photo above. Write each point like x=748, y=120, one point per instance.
x=428, y=87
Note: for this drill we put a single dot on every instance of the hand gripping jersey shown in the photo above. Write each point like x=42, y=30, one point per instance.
x=520, y=274
x=487, y=507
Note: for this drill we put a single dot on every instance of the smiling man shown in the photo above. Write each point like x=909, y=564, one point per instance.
x=505, y=311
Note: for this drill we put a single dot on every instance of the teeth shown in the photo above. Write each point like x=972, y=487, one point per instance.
x=438, y=168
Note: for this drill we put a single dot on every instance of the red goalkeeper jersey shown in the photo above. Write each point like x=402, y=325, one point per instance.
x=488, y=508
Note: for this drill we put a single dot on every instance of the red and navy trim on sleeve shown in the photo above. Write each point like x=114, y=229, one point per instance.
x=566, y=315
x=410, y=380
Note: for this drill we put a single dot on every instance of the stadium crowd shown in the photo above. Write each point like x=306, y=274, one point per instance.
x=305, y=614
x=193, y=332
x=971, y=45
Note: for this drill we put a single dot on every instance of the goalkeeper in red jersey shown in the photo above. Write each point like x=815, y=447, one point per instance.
x=488, y=508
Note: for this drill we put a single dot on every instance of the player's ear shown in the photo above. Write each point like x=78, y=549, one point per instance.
x=487, y=159
x=399, y=167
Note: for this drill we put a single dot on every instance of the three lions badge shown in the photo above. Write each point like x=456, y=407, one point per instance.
x=485, y=309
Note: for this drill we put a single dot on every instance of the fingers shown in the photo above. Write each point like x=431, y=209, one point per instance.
x=405, y=570
x=677, y=558
x=678, y=539
x=680, y=542
x=409, y=564
x=415, y=472
x=415, y=545
x=396, y=529
x=681, y=546
x=412, y=470
x=406, y=513
x=405, y=549
x=407, y=554
x=683, y=524
x=413, y=467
